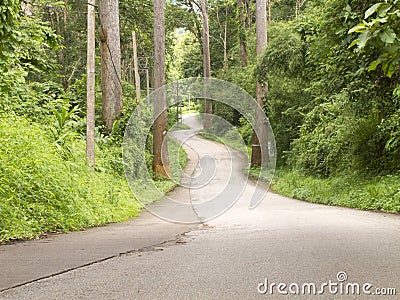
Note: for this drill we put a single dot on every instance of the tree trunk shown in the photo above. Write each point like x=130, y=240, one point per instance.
x=242, y=33
x=299, y=5
x=223, y=35
x=136, y=71
x=90, y=84
x=260, y=145
x=249, y=13
x=63, y=55
x=111, y=63
x=26, y=7
x=161, y=165
x=206, y=65
x=225, y=38
x=147, y=79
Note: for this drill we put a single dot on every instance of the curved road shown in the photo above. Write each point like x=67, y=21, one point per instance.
x=284, y=244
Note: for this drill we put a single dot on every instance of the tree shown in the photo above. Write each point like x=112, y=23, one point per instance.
x=284, y=62
x=9, y=16
x=90, y=84
x=380, y=35
x=161, y=164
x=189, y=56
x=111, y=63
x=299, y=5
x=242, y=35
x=223, y=34
x=206, y=63
x=190, y=18
x=259, y=135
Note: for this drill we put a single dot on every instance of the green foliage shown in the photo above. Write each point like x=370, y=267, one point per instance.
x=391, y=127
x=284, y=64
x=188, y=57
x=9, y=14
x=381, y=193
x=28, y=54
x=45, y=183
x=325, y=137
x=328, y=112
x=63, y=130
x=379, y=33
x=179, y=126
x=178, y=160
x=285, y=53
x=242, y=77
x=246, y=131
x=223, y=17
x=283, y=10
x=238, y=138
x=42, y=192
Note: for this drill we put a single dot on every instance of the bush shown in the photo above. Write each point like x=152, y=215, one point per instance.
x=41, y=191
x=345, y=189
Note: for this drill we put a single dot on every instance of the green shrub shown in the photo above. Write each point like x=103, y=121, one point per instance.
x=345, y=189
x=41, y=191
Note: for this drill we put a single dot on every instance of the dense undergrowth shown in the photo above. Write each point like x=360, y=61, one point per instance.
x=378, y=193
x=48, y=188
x=45, y=183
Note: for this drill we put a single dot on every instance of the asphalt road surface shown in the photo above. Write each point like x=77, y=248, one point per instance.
x=283, y=249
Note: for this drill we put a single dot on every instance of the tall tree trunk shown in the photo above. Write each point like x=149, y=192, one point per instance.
x=90, y=84
x=226, y=39
x=249, y=13
x=208, y=110
x=136, y=70
x=161, y=164
x=224, y=35
x=111, y=62
x=26, y=7
x=260, y=145
x=63, y=54
x=299, y=5
x=242, y=33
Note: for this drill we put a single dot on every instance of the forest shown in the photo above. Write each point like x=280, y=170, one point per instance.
x=331, y=69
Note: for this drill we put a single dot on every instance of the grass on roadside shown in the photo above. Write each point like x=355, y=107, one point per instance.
x=47, y=189
x=381, y=193
x=179, y=126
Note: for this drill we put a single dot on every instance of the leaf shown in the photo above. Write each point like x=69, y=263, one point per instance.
x=392, y=48
x=374, y=65
x=358, y=28
x=372, y=10
x=384, y=9
x=380, y=20
x=353, y=43
x=385, y=66
x=390, y=71
x=388, y=36
x=396, y=12
x=363, y=39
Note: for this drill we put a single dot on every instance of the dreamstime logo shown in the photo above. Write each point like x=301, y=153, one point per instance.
x=339, y=287
x=217, y=181
x=341, y=276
